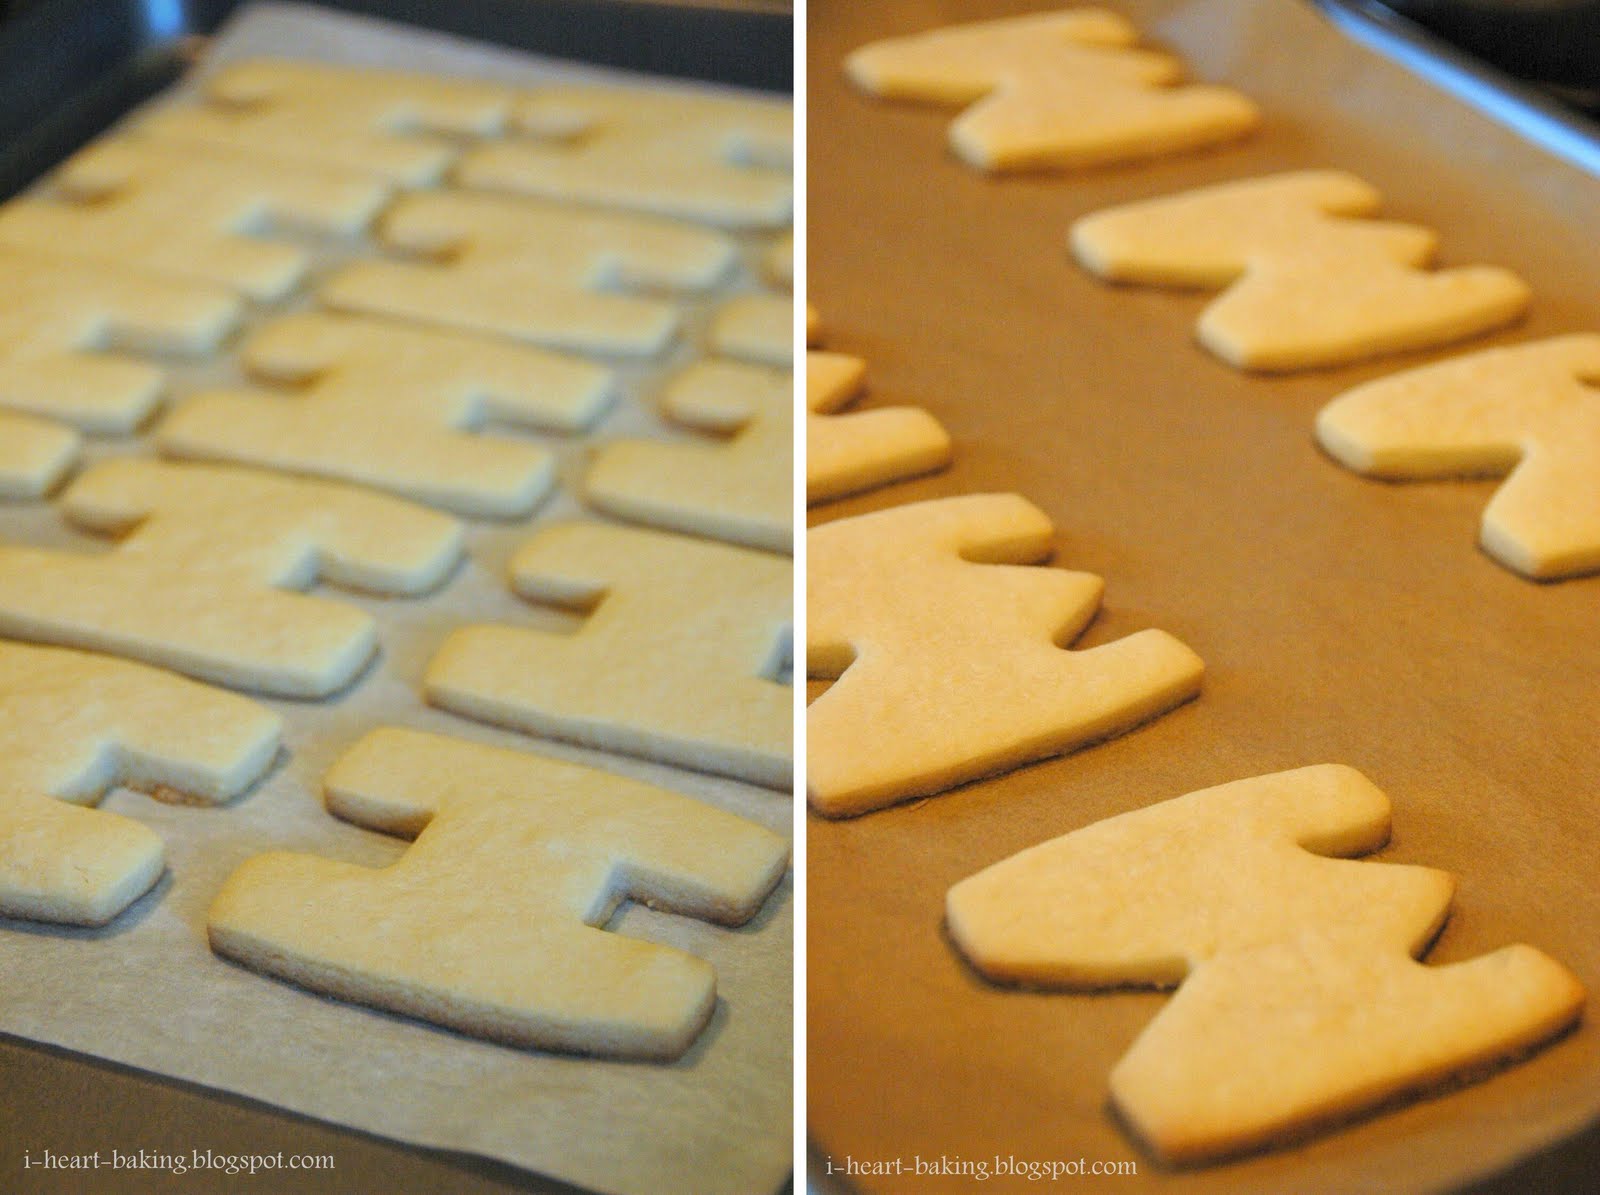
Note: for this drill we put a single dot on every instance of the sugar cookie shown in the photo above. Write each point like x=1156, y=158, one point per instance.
x=715, y=159
x=738, y=488
x=948, y=666
x=58, y=318
x=395, y=407
x=757, y=328
x=35, y=454
x=532, y=271
x=73, y=725
x=777, y=264
x=1301, y=1000
x=191, y=215
x=1053, y=90
x=846, y=454
x=492, y=923
x=384, y=123
x=674, y=660
x=197, y=582
x=1307, y=280
x=1530, y=413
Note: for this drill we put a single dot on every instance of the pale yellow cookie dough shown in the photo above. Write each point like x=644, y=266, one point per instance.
x=35, y=454
x=950, y=668
x=492, y=923
x=201, y=579
x=1308, y=280
x=757, y=328
x=848, y=453
x=1053, y=90
x=676, y=660
x=736, y=487
x=73, y=725
x=1529, y=413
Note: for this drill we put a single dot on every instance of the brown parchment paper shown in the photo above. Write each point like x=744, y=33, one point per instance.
x=1341, y=620
x=146, y=991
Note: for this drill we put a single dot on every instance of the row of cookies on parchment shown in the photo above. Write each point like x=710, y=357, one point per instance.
x=1304, y=943
x=149, y=239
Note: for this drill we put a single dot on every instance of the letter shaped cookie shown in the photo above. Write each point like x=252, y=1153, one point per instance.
x=34, y=455
x=530, y=270
x=738, y=490
x=949, y=666
x=491, y=923
x=1053, y=90
x=846, y=454
x=395, y=407
x=714, y=159
x=1306, y=283
x=1301, y=998
x=189, y=214
x=73, y=725
x=1531, y=411
x=58, y=315
x=382, y=123
x=197, y=582
x=673, y=662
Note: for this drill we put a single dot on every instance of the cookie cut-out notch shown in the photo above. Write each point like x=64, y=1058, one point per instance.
x=35, y=454
x=1053, y=91
x=1308, y=280
x=492, y=922
x=736, y=488
x=391, y=124
x=531, y=270
x=186, y=214
x=847, y=452
x=397, y=408
x=1529, y=413
x=952, y=667
x=65, y=328
x=675, y=659
x=715, y=159
x=72, y=726
x=200, y=580
x=1301, y=1000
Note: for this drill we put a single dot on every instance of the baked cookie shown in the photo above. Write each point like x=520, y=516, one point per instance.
x=676, y=659
x=1308, y=281
x=1529, y=413
x=1053, y=90
x=757, y=328
x=736, y=485
x=72, y=726
x=948, y=666
x=397, y=408
x=1301, y=1001
x=35, y=454
x=492, y=922
x=200, y=579
x=848, y=453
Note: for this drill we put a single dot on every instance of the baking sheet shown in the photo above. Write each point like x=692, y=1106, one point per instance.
x=147, y=992
x=1341, y=620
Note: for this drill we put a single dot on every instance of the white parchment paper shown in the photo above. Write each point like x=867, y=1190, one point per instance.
x=147, y=992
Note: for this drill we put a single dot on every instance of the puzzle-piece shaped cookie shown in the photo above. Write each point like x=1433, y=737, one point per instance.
x=492, y=922
x=1307, y=281
x=1053, y=90
x=673, y=662
x=846, y=454
x=197, y=583
x=35, y=454
x=384, y=123
x=739, y=489
x=756, y=328
x=948, y=667
x=190, y=215
x=1531, y=411
x=73, y=725
x=59, y=315
x=714, y=159
x=1284, y=956
x=532, y=271
x=395, y=407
